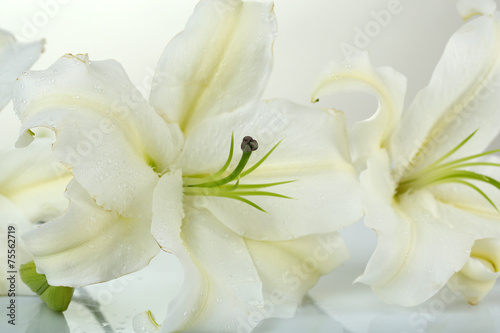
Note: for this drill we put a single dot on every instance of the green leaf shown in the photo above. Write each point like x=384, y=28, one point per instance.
x=56, y=298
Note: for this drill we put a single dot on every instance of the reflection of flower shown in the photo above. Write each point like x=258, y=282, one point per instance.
x=32, y=184
x=15, y=57
x=423, y=193
x=147, y=175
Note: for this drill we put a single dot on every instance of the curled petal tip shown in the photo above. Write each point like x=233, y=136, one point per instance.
x=470, y=8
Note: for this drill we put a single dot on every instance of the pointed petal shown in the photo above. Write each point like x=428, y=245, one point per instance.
x=460, y=98
x=422, y=241
x=15, y=58
x=314, y=151
x=387, y=85
x=480, y=272
x=33, y=180
x=288, y=269
x=107, y=134
x=89, y=244
x=221, y=61
x=217, y=295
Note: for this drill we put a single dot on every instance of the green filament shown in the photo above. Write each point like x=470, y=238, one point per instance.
x=218, y=185
x=451, y=172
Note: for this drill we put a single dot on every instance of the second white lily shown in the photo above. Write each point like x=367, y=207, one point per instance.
x=429, y=195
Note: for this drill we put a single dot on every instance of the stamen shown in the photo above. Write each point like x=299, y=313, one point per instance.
x=450, y=172
x=249, y=144
x=216, y=186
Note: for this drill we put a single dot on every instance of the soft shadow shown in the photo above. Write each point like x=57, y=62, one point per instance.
x=309, y=318
x=47, y=320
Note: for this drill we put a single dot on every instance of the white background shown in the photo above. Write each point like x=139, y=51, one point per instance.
x=310, y=34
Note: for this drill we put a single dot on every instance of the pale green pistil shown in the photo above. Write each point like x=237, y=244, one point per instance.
x=441, y=172
x=218, y=185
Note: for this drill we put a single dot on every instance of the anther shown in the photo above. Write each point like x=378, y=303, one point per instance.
x=249, y=144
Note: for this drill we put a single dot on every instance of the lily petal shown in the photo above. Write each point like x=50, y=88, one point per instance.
x=15, y=58
x=222, y=60
x=314, y=151
x=469, y=8
x=415, y=237
x=288, y=269
x=386, y=84
x=12, y=216
x=459, y=99
x=217, y=295
x=480, y=272
x=107, y=134
x=89, y=245
x=33, y=180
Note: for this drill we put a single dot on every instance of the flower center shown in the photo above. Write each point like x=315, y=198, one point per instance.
x=222, y=184
x=443, y=171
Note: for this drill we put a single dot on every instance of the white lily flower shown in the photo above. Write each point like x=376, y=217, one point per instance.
x=150, y=174
x=15, y=58
x=424, y=196
x=32, y=184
